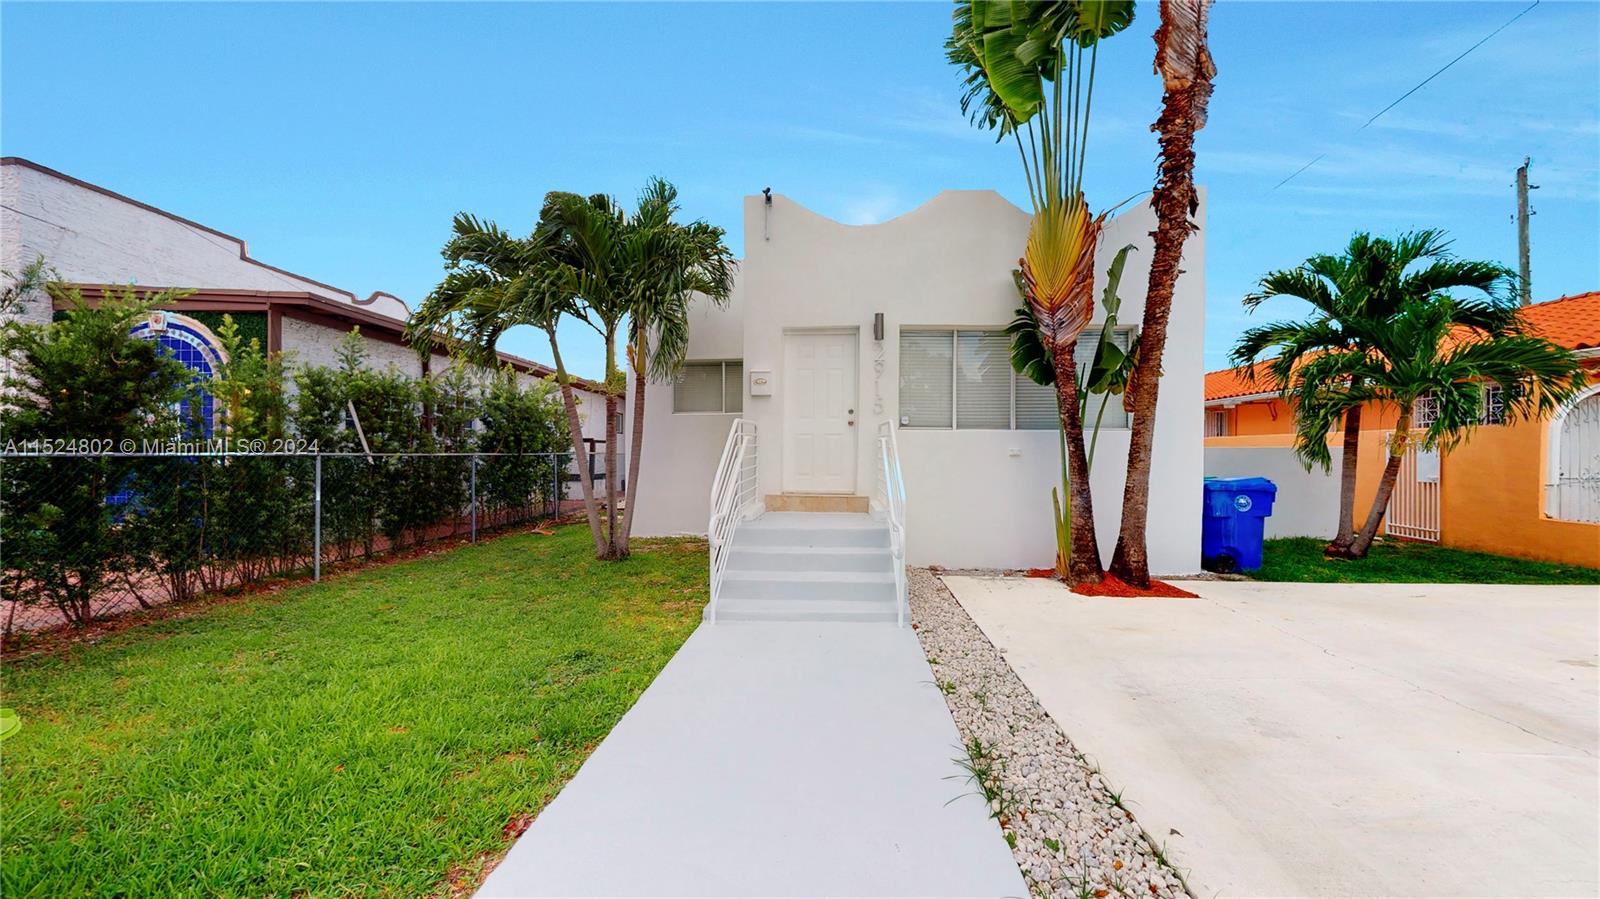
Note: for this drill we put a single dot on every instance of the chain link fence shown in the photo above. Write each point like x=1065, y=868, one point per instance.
x=84, y=537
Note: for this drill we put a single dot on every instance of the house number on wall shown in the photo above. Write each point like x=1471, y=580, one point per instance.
x=878, y=365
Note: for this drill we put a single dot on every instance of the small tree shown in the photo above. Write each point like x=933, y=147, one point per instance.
x=1106, y=376
x=1029, y=75
x=524, y=433
x=1351, y=294
x=82, y=376
x=1421, y=351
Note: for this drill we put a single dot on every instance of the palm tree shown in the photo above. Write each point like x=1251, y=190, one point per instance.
x=1029, y=75
x=668, y=265
x=1183, y=60
x=1421, y=350
x=494, y=282
x=1369, y=282
x=615, y=272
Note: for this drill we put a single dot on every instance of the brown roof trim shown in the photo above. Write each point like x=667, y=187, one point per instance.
x=307, y=306
x=244, y=250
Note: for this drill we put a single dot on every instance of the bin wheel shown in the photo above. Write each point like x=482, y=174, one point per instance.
x=1222, y=564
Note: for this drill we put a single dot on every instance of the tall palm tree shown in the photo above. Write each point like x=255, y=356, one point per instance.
x=493, y=282
x=1350, y=295
x=616, y=272
x=1029, y=75
x=1183, y=60
x=586, y=239
x=668, y=265
x=1421, y=350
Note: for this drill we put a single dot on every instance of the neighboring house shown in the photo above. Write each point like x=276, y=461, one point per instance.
x=801, y=352
x=97, y=240
x=1524, y=488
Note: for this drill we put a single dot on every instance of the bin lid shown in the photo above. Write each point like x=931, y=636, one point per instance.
x=1241, y=485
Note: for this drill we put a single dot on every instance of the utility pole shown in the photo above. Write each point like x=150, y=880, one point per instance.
x=1525, y=283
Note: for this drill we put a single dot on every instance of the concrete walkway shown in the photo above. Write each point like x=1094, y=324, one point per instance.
x=781, y=759
x=1331, y=739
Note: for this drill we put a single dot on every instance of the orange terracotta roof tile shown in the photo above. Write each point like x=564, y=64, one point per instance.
x=1232, y=382
x=1572, y=321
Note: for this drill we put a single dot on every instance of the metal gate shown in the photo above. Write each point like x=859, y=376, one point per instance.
x=1574, y=492
x=1414, y=504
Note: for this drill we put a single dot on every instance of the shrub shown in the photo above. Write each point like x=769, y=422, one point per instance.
x=65, y=521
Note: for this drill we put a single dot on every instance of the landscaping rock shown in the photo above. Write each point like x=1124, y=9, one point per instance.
x=1069, y=834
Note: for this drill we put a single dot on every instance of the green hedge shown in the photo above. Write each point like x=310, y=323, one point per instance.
x=78, y=529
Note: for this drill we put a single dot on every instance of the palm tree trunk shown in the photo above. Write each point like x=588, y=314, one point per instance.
x=1185, y=65
x=1345, y=534
x=611, y=475
x=1084, y=565
x=1391, y=470
x=575, y=431
x=635, y=450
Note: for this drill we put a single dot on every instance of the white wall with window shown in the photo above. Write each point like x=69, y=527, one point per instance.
x=709, y=387
x=979, y=446
x=962, y=379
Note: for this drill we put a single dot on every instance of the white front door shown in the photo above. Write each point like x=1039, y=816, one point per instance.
x=819, y=412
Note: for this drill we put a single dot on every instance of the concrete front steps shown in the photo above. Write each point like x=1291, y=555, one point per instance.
x=809, y=566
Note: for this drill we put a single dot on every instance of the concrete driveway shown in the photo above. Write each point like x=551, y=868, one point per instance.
x=1331, y=740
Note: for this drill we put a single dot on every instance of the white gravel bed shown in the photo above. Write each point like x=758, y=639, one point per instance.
x=1070, y=835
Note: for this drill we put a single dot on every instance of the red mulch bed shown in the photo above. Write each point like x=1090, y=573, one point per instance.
x=1114, y=586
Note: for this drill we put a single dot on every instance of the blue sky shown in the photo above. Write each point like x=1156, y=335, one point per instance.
x=339, y=139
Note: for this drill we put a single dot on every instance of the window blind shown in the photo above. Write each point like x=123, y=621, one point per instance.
x=983, y=380
x=699, y=388
x=733, y=386
x=1036, y=406
x=926, y=385
x=1115, y=415
x=963, y=379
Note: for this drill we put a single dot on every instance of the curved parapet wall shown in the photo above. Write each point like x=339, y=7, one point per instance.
x=975, y=497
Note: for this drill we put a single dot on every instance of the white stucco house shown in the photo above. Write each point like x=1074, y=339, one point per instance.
x=795, y=354
x=97, y=239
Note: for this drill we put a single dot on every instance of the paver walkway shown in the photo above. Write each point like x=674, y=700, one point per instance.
x=772, y=759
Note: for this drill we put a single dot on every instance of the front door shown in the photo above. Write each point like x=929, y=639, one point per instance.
x=819, y=412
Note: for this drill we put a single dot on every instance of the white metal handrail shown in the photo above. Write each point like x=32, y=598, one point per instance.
x=892, y=496
x=733, y=494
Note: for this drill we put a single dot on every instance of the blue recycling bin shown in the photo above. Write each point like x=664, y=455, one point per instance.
x=1236, y=511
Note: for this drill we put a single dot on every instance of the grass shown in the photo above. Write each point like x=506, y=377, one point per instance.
x=1407, y=562
x=383, y=733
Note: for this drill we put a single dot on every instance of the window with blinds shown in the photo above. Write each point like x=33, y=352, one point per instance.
x=709, y=387
x=962, y=379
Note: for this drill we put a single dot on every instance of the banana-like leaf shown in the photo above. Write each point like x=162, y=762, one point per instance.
x=1028, y=355
x=1014, y=81
x=1100, y=19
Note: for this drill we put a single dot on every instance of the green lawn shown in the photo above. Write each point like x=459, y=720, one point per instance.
x=372, y=735
x=1405, y=562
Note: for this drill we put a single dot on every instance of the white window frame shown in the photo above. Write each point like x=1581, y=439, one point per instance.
x=724, y=363
x=955, y=376
x=1425, y=410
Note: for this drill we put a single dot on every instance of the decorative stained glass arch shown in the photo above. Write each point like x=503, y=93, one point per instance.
x=192, y=344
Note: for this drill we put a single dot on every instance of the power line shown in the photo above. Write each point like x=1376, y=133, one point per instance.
x=1420, y=85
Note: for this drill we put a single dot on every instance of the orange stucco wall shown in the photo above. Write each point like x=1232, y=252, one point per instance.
x=1491, y=487
x=1492, y=499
